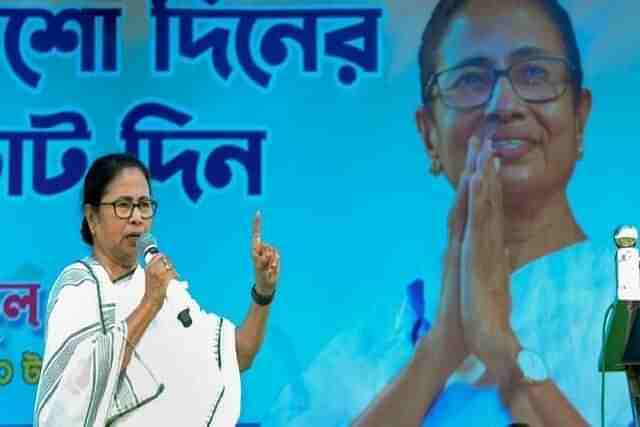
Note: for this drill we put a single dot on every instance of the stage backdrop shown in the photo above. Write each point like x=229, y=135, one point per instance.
x=302, y=110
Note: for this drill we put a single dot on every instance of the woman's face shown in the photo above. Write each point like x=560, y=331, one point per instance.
x=116, y=237
x=548, y=135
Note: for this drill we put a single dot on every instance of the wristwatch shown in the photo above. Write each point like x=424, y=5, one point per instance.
x=533, y=368
x=260, y=299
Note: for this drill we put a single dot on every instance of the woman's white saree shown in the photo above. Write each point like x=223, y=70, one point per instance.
x=176, y=376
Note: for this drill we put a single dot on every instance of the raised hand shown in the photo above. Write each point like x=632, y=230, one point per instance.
x=158, y=273
x=449, y=320
x=266, y=260
x=485, y=268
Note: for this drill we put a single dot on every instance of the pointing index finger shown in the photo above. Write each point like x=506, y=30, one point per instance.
x=257, y=225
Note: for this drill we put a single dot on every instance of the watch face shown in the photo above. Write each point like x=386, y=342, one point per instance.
x=532, y=366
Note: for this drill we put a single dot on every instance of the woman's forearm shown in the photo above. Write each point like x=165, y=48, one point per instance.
x=405, y=401
x=543, y=404
x=537, y=403
x=250, y=335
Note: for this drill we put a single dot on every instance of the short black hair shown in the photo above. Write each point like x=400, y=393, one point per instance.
x=444, y=13
x=98, y=178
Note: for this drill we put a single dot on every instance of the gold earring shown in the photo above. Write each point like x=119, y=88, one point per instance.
x=436, y=167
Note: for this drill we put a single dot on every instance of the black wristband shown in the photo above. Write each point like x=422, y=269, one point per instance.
x=261, y=299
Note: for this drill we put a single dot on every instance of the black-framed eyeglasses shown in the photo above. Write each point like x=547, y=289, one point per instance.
x=123, y=207
x=469, y=86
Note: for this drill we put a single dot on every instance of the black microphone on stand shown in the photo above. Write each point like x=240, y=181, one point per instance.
x=147, y=248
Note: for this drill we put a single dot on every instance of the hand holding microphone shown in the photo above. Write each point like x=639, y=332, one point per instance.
x=160, y=278
x=158, y=274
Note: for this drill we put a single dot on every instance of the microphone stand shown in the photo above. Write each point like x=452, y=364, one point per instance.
x=634, y=390
x=631, y=361
x=621, y=348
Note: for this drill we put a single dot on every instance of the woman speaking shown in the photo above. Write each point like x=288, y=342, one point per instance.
x=115, y=354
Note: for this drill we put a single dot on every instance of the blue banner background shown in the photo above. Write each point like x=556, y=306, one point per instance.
x=346, y=194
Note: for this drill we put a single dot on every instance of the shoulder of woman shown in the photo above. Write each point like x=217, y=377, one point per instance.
x=73, y=276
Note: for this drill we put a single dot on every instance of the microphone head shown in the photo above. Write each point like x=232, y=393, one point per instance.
x=146, y=243
x=626, y=236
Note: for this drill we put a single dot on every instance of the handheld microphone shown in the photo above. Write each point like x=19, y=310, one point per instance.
x=147, y=249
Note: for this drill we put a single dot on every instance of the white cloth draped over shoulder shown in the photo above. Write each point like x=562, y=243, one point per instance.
x=176, y=376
